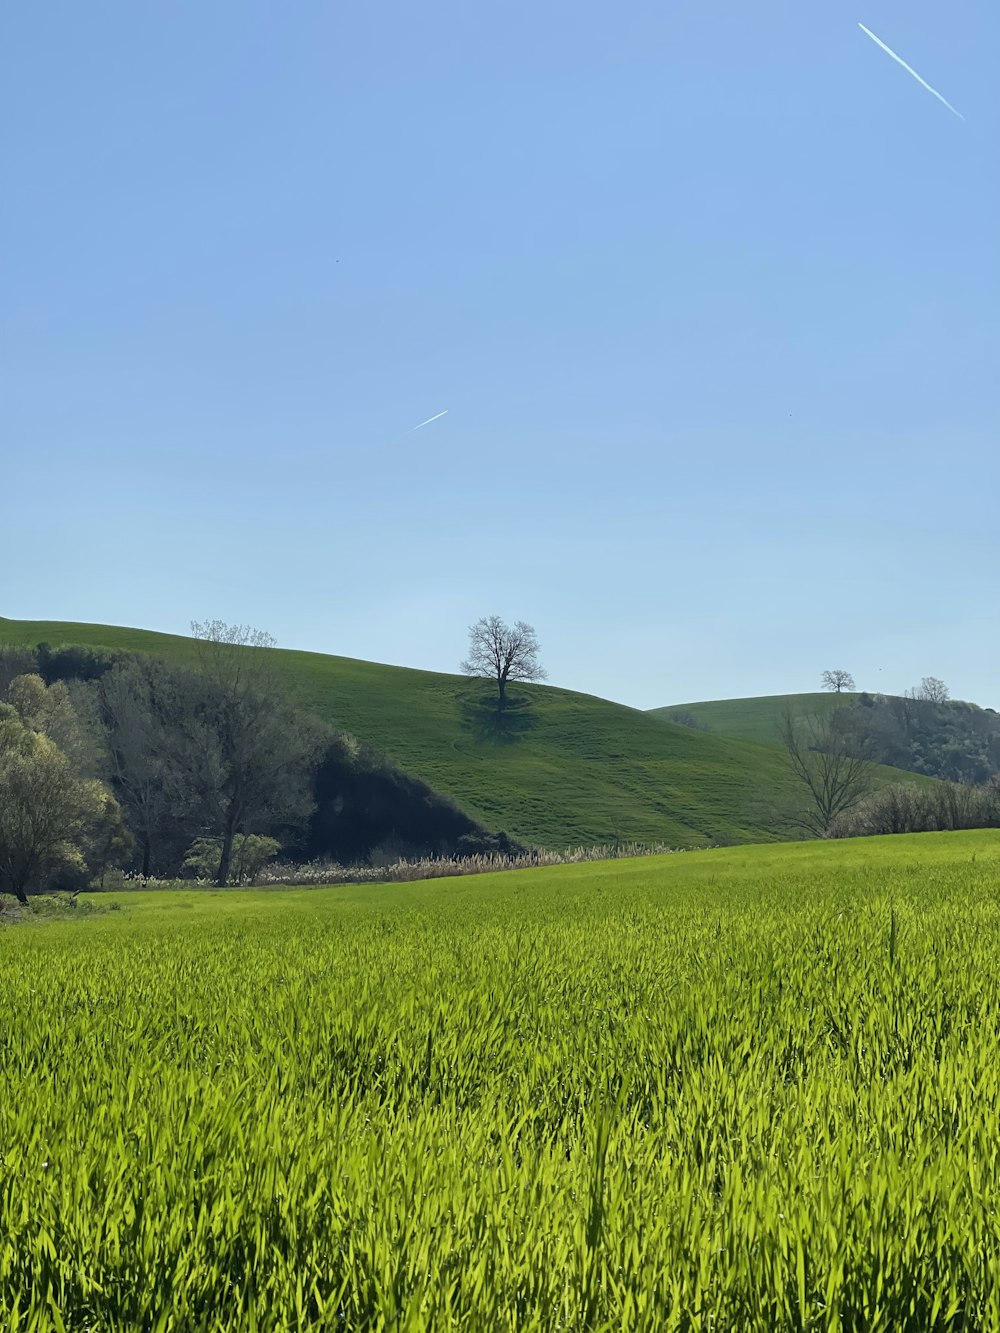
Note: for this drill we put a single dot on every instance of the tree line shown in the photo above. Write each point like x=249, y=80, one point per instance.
x=114, y=758
x=923, y=730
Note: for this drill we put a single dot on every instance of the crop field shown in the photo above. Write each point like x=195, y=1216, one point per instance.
x=746, y=1089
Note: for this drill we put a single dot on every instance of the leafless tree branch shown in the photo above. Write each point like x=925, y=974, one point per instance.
x=500, y=652
x=831, y=763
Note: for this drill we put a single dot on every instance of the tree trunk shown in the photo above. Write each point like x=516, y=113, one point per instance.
x=502, y=685
x=20, y=894
x=225, y=861
x=147, y=854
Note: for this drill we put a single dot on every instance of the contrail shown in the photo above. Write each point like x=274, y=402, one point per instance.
x=428, y=421
x=899, y=61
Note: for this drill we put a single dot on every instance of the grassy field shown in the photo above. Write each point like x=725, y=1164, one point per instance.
x=755, y=720
x=749, y=1089
x=565, y=769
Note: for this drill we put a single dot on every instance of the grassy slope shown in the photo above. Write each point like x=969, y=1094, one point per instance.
x=756, y=719
x=576, y=769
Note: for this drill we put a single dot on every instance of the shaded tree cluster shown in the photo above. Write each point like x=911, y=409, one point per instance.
x=56, y=822
x=926, y=733
x=934, y=808
x=364, y=801
x=169, y=766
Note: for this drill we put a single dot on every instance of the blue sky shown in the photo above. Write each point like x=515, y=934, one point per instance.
x=710, y=292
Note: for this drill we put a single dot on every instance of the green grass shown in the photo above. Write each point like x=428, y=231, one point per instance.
x=758, y=719
x=749, y=1089
x=569, y=768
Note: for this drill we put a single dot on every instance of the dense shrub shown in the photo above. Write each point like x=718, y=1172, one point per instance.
x=15, y=662
x=75, y=662
x=364, y=802
x=908, y=808
x=948, y=739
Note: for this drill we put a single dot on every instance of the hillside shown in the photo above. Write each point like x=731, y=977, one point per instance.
x=948, y=739
x=564, y=768
x=756, y=719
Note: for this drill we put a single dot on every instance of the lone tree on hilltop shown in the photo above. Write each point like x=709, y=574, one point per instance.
x=838, y=681
x=503, y=653
x=932, y=691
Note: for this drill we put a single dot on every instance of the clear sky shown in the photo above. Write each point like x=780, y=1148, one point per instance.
x=710, y=291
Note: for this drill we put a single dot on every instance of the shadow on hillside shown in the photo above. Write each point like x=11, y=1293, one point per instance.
x=490, y=725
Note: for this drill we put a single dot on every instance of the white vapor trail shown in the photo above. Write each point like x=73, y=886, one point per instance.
x=899, y=61
x=428, y=421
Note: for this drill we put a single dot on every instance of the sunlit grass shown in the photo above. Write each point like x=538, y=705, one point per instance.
x=751, y=1089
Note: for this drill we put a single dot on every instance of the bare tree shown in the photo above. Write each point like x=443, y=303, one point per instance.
x=932, y=691
x=248, y=751
x=503, y=653
x=832, y=764
x=838, y=681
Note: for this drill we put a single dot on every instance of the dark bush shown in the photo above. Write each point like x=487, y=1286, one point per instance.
x=15, y=662
x=75, y=662
x=363, y=802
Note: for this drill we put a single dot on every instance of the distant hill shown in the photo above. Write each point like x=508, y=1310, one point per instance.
x=951, y=740
x=559, y=769
x=755, y=719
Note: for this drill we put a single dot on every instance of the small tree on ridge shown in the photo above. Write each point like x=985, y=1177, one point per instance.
x=838, y=681
x=932, y=690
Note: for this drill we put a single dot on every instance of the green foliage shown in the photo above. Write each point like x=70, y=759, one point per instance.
x=56, y=825
x=750, y=1089
x=556, y=768
x=73, y=662
x=251, y=852
x=15, y=661
x=106, y=837
x=941, y=738
x=48, y=710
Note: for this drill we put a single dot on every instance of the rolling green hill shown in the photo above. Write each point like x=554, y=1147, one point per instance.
x=565, y=768
x=755, y=719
